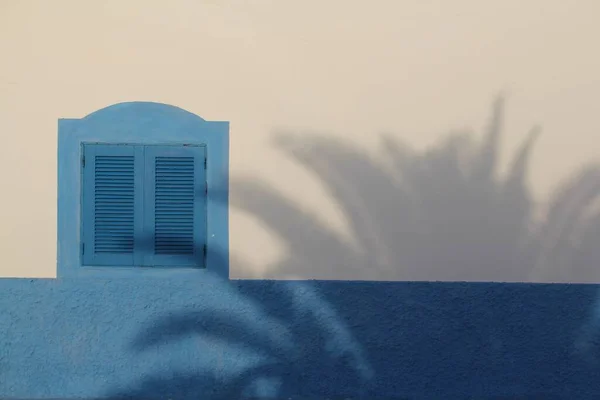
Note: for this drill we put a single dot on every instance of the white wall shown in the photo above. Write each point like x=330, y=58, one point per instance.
x=345, y=70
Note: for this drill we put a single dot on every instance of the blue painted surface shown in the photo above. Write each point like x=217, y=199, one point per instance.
x=218, y=339
x=131, y=209
x=104, y=164
x=171, y=206
x=150, y=124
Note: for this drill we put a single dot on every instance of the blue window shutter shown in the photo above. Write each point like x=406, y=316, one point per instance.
x=175, y=205
x=111, y=204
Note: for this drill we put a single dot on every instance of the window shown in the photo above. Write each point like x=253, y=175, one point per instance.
x=142, y=189
x=144, y=205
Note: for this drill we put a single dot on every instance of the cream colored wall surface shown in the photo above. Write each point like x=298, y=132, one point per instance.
x=331, y=76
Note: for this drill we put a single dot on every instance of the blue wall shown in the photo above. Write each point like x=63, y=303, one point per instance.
x=216, y=339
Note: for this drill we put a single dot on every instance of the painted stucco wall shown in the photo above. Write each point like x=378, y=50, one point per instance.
x=370, y=143
x=309, y=88
x=217, y=339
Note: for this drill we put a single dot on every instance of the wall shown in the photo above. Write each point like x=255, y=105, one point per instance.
x=371, y=144
x=415, y=70
x=216, y=339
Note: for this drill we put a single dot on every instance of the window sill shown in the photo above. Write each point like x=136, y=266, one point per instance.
x=135, y=272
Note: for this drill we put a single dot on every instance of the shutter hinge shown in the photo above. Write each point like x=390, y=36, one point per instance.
x=82, y=248
x=205, y=188
x=83, y=161
x=205, y=163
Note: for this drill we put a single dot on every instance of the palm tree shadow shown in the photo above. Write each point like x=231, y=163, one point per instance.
x=439, y=215
x=444, y=214
x=307, y=349
x=567, y=246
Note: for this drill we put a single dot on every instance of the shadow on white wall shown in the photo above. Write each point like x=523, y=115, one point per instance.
x=440, y=215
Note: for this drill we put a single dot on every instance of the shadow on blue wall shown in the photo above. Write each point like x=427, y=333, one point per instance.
x=301, y=347
x=445, y=213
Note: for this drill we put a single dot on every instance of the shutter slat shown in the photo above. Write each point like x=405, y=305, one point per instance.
x=114, y=196
x=174, y=175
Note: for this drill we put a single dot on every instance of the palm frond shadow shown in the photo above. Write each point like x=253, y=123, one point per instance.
x=307, y=348
x=443, y=214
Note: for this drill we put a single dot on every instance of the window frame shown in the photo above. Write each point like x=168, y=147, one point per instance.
x=141, y=123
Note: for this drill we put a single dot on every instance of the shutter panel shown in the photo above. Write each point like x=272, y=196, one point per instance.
x=110, y=204
x=175, y=204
